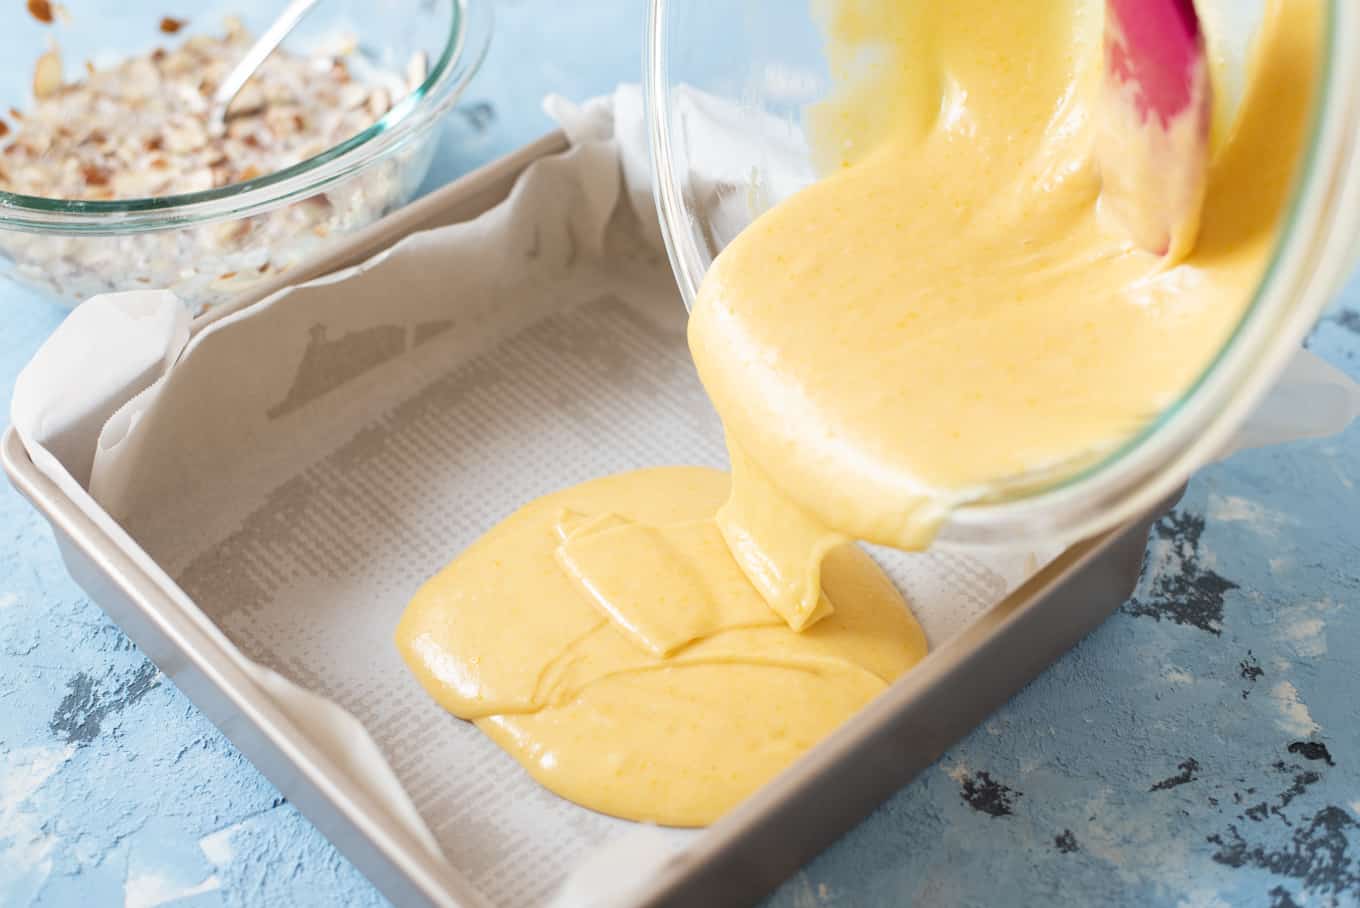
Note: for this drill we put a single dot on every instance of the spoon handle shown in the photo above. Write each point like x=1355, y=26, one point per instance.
x=265, y=45
x=1154, y=119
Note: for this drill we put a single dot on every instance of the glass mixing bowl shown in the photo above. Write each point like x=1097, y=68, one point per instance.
x=211, y=245
x=726, y=85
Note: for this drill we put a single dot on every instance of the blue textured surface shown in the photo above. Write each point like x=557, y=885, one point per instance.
x=1202, y=748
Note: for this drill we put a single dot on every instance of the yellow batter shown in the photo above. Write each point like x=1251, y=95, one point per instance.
x=946, y=317
x=678, y=694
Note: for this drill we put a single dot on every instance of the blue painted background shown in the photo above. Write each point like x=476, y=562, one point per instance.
x=1202, y=748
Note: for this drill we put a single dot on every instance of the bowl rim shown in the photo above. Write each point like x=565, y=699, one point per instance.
x=1315, y=244
x=469, y=37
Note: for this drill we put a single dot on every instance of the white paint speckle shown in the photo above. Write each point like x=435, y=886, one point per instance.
x=1202, y=898
x=1177, y=675
x=1167, y=557
x=1281, y=565
x=147, y=890
x=8, y=599
x=1232, y=509
x=1355, y=805
x=958, y=772
x=1303, y=628
x=26, y=769
x=1307, y=636
x=217, y=847
x=26, y=859
x=1294, y=716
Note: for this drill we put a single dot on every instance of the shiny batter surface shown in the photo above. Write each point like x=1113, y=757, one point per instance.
x=947, y=313
x=604, y=636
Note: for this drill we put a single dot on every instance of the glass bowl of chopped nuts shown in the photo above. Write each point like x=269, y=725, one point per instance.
x=112, y=176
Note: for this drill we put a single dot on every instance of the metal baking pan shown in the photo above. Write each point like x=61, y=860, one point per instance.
x=749, y=851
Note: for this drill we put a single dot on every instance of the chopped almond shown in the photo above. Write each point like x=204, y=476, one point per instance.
x=41, y=10
x=47, y=74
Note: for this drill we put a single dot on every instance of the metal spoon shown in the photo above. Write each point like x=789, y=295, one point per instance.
x=240, y=74
x=1154, y=118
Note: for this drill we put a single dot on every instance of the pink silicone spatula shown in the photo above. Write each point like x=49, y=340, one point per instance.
x=1153, y=122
